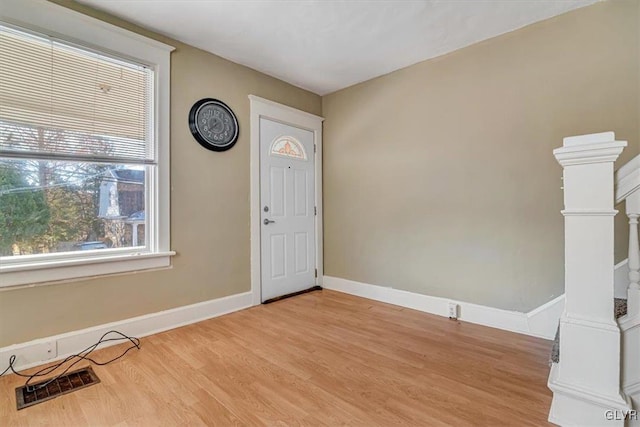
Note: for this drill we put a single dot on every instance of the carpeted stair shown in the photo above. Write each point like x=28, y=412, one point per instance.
x=620, y=308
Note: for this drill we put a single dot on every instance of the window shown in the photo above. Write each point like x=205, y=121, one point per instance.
x=288, y=146
x=83, y=159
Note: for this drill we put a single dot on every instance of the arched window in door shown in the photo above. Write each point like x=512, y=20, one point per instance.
x=288, y=146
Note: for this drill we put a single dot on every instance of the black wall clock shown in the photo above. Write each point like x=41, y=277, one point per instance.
x=213, y=124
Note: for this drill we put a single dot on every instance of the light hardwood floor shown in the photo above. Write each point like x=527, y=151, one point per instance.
x=323, y=358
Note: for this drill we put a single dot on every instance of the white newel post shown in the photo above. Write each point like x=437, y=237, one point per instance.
x=630, y=324
x=586, y=382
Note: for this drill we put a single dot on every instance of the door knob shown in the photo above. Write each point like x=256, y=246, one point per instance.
x=267, y=221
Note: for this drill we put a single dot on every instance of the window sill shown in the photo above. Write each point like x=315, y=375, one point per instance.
x=58, y=270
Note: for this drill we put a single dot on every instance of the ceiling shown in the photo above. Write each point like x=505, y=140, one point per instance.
x=324, y=46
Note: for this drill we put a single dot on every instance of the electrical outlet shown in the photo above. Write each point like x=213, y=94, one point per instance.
x=453, y=310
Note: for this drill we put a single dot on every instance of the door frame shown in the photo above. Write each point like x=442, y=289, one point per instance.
x=264, y=108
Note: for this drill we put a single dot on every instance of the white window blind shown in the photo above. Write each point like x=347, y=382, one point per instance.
x=64, y=102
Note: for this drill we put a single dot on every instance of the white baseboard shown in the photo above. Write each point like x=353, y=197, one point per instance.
x=57, y=347
x=541, y=322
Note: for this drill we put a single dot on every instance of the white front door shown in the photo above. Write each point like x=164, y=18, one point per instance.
x=287, y=197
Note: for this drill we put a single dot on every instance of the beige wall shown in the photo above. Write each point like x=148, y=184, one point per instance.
x=209, y=211
x=439, y=178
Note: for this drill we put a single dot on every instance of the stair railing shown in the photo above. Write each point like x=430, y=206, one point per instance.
x=627, y=181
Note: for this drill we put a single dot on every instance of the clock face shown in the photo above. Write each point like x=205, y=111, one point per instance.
x=213, y=124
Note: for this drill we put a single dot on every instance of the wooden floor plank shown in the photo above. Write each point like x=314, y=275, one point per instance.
x=323, y=358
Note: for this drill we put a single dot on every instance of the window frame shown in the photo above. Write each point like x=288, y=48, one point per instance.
x=71, y=27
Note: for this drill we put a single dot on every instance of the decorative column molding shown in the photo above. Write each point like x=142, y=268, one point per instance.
x=586, y=382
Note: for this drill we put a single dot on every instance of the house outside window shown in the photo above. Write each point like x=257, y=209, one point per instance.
x=121, y=206
x=84, y=177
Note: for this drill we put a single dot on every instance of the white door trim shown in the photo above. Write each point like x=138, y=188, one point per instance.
x=263, y=108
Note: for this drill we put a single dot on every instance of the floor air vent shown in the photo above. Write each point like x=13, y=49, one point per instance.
x=38, y=392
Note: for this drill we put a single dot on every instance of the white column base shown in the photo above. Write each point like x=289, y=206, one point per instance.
x=574, y=406
x=590, y=355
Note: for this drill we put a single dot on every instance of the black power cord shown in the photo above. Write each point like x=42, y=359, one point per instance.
x=83, y=355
